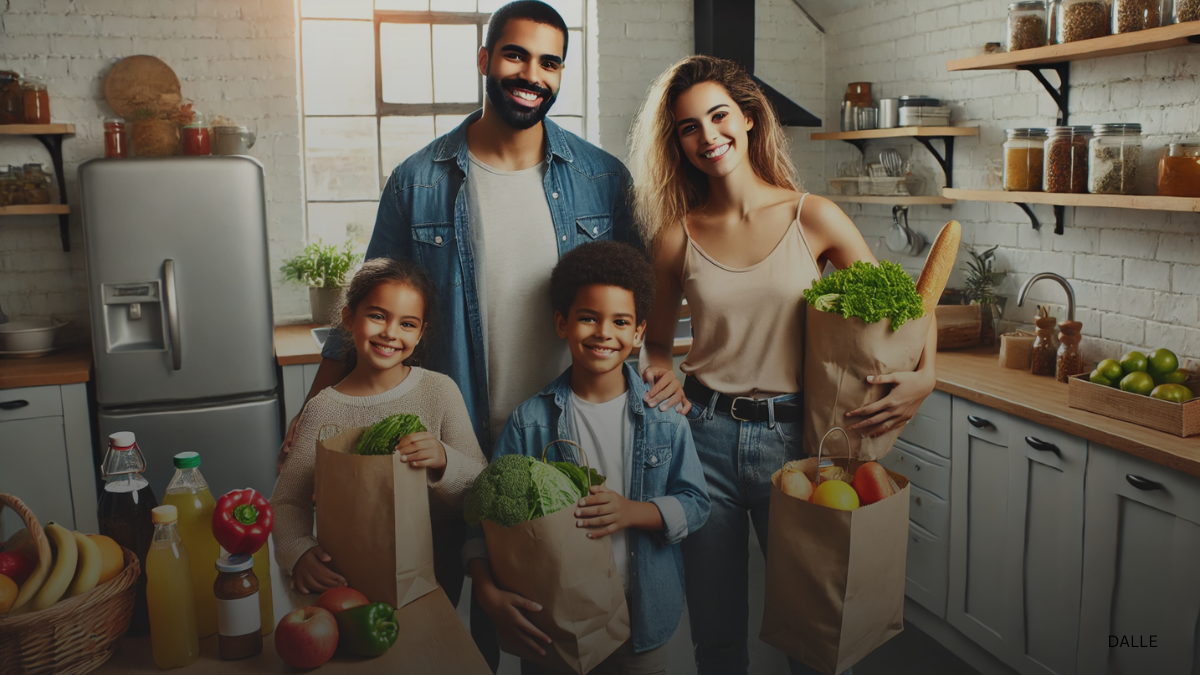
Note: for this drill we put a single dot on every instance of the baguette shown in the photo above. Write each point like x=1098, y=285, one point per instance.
x=939, y=265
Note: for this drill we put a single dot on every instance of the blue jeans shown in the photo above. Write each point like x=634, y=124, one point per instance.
x=738, y=460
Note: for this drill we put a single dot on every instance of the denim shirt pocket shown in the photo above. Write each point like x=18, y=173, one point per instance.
x=435, y=248
x=594, y=227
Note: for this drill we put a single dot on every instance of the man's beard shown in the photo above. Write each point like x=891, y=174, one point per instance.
x=515, y=115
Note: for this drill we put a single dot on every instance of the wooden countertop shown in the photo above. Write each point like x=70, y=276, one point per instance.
x=295, y=345
x=70, y=366
x=976, y=375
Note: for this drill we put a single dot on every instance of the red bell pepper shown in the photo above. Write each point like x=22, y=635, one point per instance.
x=242, y=521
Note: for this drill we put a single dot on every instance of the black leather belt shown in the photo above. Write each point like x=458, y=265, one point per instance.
x=744, y=408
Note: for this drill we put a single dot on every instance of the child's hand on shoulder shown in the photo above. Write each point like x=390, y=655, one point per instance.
x=422, y=451
x=311, y=575
x=605, y=512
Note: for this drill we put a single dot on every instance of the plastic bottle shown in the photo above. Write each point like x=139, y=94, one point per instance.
x=188, y=492
x=124, y=511
x=169, y=594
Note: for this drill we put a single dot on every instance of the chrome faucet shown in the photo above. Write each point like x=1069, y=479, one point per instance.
x=1062, y=282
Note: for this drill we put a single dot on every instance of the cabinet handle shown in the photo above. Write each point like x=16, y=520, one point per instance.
x=979, y=422
x=13, y=405
x=1142, y=483
x=1038, y=444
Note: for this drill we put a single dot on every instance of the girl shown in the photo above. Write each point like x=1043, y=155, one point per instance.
x=728, y=226
x=386, y=313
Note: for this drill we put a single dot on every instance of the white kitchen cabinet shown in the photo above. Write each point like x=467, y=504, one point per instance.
x=296, y=379
x=1141, y=568
x=46, y=456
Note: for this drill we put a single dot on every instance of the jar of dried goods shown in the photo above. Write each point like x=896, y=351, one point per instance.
x=15, y=186
x=1043, y=354
x=1023, y=153
x=12, y=106
x=1052, y=21
x=1186, y=10
x=36, y=184
x=1026, y=25
x=1067, y=159
x=1129, y=16
x=1114, y=155
x=1083, y=20
x=116, y=144
x=5, y=183
x=1179, y=170
x=1069, y=360
x=35, y=101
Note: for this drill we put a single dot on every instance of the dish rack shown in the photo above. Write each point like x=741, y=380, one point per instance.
x=876, y=186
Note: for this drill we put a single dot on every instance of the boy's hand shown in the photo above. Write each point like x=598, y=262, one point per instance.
x=605, y=512
x=422, y=450
x=508, y=612
x=312, y=576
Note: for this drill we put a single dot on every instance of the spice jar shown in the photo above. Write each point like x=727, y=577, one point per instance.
x=1042, y=355
x=239, y=622
x=1179, y=170
x=116, y=145
x=196, y=136
x=36, y=184
x=1186, y=10
x=1129, y=16
x=1069, y=360
x=1067, y=159
x=1023, y=152
x=1083, y=20
x=12, y=105
x=36, y=102
x=1026, y=25
x=1114, y=155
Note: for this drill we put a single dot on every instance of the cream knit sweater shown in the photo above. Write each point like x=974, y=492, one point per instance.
x=429, y=395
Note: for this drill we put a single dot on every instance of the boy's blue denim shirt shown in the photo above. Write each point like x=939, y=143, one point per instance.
x=423, y=217
x=661, y=467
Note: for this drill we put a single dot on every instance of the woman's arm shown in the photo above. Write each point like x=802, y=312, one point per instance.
x=666, y=390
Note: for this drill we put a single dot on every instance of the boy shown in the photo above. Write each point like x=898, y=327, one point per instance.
x=655, y=494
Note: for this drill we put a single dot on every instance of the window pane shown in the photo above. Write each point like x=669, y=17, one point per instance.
x=335, y=223
x=342, y=158
x=403, y=5
x=570, y=92
x=339, y=67
x=336, y=9
x=571, y=124
x=400, y=137
x=455, y=74
x=404, y=55
x=444, y=124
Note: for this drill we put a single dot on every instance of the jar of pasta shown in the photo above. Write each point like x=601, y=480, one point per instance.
x=1023, y=160
x=1179, y=170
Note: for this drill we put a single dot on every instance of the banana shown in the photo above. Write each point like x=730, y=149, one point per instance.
x=65, y=561
x=88, y=571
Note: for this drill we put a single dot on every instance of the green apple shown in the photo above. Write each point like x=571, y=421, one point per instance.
x=1133, y=362
x=1137, y=383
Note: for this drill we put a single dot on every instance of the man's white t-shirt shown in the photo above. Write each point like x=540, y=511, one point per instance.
x=606, y=434
x=515, y=250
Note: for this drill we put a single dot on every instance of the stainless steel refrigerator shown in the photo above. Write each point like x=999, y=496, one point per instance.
x=180, y=294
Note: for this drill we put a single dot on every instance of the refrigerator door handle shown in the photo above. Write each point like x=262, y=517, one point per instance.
x=173, y=313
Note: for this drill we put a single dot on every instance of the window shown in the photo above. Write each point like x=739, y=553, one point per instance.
x=380, y=79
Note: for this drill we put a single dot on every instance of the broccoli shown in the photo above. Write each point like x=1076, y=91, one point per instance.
x=868, y=292
x=503, y=493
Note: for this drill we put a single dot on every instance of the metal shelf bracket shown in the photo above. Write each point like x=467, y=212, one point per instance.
x=53, y=143
x=1059, y=214
x=946, y=160
x=1061, y=93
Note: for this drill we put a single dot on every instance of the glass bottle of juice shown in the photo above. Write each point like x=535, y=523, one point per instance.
x=124, y=511
x=262, y=570
x=189, y=494
x=169, y=594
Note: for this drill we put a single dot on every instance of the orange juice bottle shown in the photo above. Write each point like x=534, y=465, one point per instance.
x=262, y=570
x=189, y=493
x=169, y=594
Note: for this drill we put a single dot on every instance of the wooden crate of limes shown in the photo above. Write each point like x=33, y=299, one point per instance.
x=1146, y=389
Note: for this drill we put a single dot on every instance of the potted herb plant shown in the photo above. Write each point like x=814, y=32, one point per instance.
x=982, y=279
x=323, y=269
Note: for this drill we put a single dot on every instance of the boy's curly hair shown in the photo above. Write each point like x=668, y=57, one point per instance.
x=606, y=263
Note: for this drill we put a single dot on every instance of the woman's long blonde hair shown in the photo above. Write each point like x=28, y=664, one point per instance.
x=667, y=185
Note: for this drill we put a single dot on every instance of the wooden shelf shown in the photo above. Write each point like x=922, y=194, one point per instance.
x=893, y=201
x=35, y=210
x=899, y=132
x=1141, y=202
x=35, y=129
x=1111, y=45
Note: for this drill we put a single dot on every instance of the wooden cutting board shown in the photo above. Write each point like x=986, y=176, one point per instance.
x=142, y=82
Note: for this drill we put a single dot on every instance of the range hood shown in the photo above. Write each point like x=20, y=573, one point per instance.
x=725, y=29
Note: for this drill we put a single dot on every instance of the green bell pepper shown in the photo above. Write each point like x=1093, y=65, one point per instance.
x=367, y=630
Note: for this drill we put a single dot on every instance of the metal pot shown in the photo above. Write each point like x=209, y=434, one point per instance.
x=232, y=140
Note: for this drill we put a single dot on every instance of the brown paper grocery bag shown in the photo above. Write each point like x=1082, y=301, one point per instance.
x=573, y=578
x=373, y=519
x=835, y=579
x=839, y=354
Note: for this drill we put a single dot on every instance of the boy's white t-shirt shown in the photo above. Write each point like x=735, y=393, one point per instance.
x=605, y=433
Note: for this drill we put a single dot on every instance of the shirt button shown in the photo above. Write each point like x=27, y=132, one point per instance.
x=595, y=230
x=437, y=240
x=653, y=458
x=564, y=237
x=554, y=195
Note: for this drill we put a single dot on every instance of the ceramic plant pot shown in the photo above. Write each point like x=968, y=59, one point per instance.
x=323, y=302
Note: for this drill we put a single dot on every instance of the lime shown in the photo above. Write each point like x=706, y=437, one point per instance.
x=1137, y=383
x=1133, y=362
x=1177, y=377
x=1172, y=392
x=1161, y=362
x=1111, y=369
x=1097, y=378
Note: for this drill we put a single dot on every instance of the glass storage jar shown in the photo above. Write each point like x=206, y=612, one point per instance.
x=1179, y=170
x=5, y=181
x=35, y=101
x=1052, y=21
x=1066, y=154
x=12, y=106
x=1026, y=25
x=16, y=186
x=1083, y=20
x=1130, y=16
x=1023, y=159
x=116, y=144
x=1114, y=155
x=1185, y=10
x=36, y=184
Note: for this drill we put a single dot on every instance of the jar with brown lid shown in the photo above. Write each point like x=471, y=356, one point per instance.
x=239, y=622
x=1069, y=360
x=1043, y=355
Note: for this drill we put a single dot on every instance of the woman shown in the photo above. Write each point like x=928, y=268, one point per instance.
x=728, y=226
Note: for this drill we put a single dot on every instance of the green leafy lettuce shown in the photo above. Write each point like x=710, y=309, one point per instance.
x=514, y=489
x=869, y=292
x=382, y=437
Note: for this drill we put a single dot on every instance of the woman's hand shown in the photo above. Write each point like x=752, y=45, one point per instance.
x=311, y=575
x=666, y=390
x=898, y=407
x=422, y=450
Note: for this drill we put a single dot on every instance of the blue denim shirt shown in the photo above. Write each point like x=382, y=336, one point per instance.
x=423, y=216
x=661, y=467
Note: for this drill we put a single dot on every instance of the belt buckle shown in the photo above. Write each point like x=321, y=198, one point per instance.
x=733, y=407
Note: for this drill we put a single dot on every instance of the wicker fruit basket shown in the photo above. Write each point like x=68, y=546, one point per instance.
x=73, y=636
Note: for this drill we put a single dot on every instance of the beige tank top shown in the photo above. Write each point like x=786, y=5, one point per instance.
x=748, y=323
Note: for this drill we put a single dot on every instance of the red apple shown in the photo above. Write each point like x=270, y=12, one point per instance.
x=871, y=483
x=16, y=566
x=341, y=598
x=306, y=637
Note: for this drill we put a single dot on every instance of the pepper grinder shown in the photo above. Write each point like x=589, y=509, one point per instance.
x=1070, y=359
x=1042, y=355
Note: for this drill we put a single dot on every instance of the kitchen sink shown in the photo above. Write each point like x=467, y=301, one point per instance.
x=320, y=335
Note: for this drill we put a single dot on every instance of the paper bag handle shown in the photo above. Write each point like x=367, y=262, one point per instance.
x=586, y=464
x=821, y=447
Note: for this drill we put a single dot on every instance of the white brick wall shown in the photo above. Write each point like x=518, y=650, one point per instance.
x=1136, y=273
x=236, y=59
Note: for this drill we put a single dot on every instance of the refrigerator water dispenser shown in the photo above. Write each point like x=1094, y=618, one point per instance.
x=133, y=317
